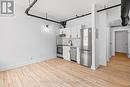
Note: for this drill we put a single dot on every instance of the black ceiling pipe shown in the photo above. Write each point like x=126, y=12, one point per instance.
x=33, y=3
x=78, y=17
x=28, y=9
x=43, y=18
x=63, y=24
x=125, y=8
x=124, y=5
x=90, y=13
x=109, y=7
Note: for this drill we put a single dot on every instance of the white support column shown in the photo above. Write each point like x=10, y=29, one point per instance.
x=129, y=43
x=93, y=67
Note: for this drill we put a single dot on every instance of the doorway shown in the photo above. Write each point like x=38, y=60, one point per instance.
x=121, y=41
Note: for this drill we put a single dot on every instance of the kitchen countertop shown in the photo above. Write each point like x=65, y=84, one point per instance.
x=67, y=45
x=73, y=46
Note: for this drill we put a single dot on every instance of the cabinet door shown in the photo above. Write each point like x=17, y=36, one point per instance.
x=78, y=32
x=73, y=32
x=66, y=53
x=68, y=33
x=61, y=31
x=64, y=31
x=57, y=32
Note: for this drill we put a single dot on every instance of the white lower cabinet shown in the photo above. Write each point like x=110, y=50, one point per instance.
x=78, y=55
x=66, y=53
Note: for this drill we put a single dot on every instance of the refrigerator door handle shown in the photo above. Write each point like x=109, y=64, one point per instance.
x=84, y=50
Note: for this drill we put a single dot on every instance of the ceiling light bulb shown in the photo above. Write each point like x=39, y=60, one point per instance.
x=46, y=28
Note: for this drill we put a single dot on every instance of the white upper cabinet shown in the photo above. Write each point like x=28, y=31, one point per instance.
x=73, y=32
x=78, y=31
x=68, y=33
x=57, y=32
x=62, y=31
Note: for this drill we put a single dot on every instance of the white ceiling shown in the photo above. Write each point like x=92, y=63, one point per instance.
x=64, y=9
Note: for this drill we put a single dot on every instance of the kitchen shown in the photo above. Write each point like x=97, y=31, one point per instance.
x=75, y=44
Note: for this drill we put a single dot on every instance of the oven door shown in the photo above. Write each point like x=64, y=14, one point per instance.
x=60, y=50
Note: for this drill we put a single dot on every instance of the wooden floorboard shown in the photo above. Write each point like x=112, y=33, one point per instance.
x=61, y=73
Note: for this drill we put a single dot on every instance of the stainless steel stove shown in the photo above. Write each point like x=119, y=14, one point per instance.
x=60, y=51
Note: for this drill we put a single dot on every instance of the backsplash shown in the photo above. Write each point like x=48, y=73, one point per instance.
x=64, y=41
x=59, y=40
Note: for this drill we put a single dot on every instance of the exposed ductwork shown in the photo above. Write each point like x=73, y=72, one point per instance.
x=33, y=3
x=125, y=8
x=90, y=13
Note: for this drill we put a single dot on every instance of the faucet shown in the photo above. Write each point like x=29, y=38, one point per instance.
x=70, y=42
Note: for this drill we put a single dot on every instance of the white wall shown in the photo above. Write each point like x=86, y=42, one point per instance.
x=21, y=39
x=80, y=21
x=108, y=44
x=114, y=14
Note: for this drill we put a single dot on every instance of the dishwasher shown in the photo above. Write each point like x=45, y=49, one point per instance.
x=73, y=54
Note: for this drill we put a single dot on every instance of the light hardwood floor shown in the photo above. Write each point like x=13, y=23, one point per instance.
x=61, y=73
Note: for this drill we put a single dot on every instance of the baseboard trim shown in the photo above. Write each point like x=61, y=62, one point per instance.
x=129, y=56
x=14, y=66
x=94, y=67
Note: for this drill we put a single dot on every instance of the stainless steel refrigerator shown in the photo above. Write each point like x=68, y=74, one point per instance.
x=86, y=47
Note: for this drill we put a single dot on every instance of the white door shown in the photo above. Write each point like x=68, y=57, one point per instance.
x=121, y=41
